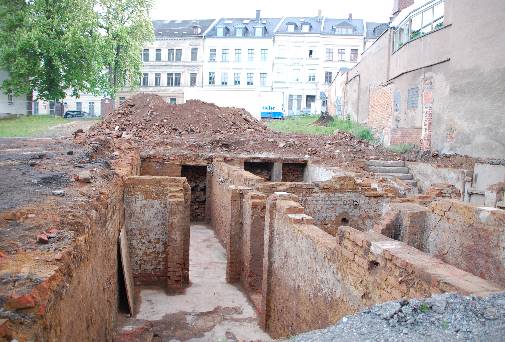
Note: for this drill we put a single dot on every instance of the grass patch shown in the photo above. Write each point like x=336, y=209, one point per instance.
x=401, y=148
x=27, y=126
x=303, y=125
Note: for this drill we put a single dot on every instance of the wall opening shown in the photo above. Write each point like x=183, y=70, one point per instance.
x=293, y=172
x=262, y=169
x=196, y=176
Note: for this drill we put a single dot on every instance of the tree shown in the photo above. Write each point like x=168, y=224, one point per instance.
x=50, y=47
x=127, y=27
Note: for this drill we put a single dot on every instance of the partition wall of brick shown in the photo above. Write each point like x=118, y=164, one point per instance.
x=304, y=272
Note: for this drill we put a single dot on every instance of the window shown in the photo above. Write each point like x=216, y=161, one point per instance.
x=329, y=54
x=238, y=55
x=91, y=108
x=291, y=27
x=220, y=31
x=341, y=54
x=419, y=23
x=170, y=55
x=264, y=55
x=224, y=78
x=212, y=55
x=224, y=55
x=263, y=79
x=239, y=31
x=10, y=99
x=305, y=27
x=145, y=79
x=250, y=77
x=212, y=78
x=312, y=76
x=328, y=77
x=354, y=55
x=258, y=31
x=170, y=79
x=177, y=79
x=250, y=55
x=145, y=55
x=178, y=55
x=343, y=30
x=157, y=79
x=311, y=53
x=192, y=79
x=173, y=100
x=158, y=55
x=194, y=54
x=78, y=105
x=236, y=78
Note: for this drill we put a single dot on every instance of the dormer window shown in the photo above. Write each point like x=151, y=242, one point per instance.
x=239, y=31
x=258, y=31
x=220, y=31
x=305, y=27
x=291, y=27
x=342, y=30
x=197, y=29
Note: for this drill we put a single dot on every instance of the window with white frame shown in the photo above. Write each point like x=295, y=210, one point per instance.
x=212, y=78
x=238, y=55
x=263, y=79
x=171, y=55
x=157, y=79
x=354, y=55
x=258, y=31
x=145, y=55
x=306, y=27
x=291, y=27
x=224, y=55
x=250, y=78
x=170, y=79
x=178, y=55
x=264, y=55
x=239, y=31
x=177, y=79
x=192, y=79
x=224, y=78
x=250, y=55
x=212, y=55
x=329, y=54
x=328, y=77
x=194, y=54
x=220, y=31
x=341, y=54
x=158, y=55
x=236, y=78
x=312, y=76
x=420, y=22
x=145, y=79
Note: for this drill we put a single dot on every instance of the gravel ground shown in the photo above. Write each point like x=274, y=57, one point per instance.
x=447, y=317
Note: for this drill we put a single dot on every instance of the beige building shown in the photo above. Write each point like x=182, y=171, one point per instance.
x=435, y=79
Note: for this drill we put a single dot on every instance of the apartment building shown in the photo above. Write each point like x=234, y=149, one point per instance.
x=174, y=60
x=308, y=53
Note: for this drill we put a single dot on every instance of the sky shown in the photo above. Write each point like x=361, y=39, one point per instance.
x=369, y=10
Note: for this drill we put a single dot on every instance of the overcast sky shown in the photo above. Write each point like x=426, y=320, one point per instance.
x=370, y=10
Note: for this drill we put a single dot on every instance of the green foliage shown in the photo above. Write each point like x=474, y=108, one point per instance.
x=27, y=126
x=401, y=148
x=81, y=46
x=304, y=125
x=50, y=46
x=424, y=308
x=127, y=27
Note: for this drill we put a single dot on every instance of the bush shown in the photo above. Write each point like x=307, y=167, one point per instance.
x=401, y=148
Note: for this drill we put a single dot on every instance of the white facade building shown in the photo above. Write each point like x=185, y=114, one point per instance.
x=309, y=52
x=13, y=105
x=174, y=60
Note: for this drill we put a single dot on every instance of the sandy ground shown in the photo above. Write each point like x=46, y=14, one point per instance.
x=209, y=310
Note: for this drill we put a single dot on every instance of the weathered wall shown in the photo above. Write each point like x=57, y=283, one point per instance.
x=426, y=175
x=446, y=85
x=160, y=167
x=461, y=234
x=311, y=279
x=157, y=227
x=196, y=176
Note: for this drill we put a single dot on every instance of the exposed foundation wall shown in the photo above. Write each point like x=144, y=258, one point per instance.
x=468, y=237
x=311, y=279
x=427, y=175
x=157, y=227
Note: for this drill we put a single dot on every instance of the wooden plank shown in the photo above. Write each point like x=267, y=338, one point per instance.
x=125, y=265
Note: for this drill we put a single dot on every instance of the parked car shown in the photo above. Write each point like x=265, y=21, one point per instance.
x=75, y=114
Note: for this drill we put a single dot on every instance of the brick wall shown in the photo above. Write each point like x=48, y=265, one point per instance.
x=157, y=227
x=196, y=176
x=311, y=279
x=405, y=136
x=380, y=112
x=160, y=167
x=293, y=172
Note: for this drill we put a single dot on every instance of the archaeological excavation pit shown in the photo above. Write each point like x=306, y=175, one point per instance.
x=181, y=245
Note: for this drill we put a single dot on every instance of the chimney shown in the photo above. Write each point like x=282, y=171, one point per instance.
x=350, y=16
x=258, y=15
x=399, y=5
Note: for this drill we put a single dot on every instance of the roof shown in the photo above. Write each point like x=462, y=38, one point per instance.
x=331, y=26
x=315, y=24
x=248, y=24
x=374, y=30
x=180, y=28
